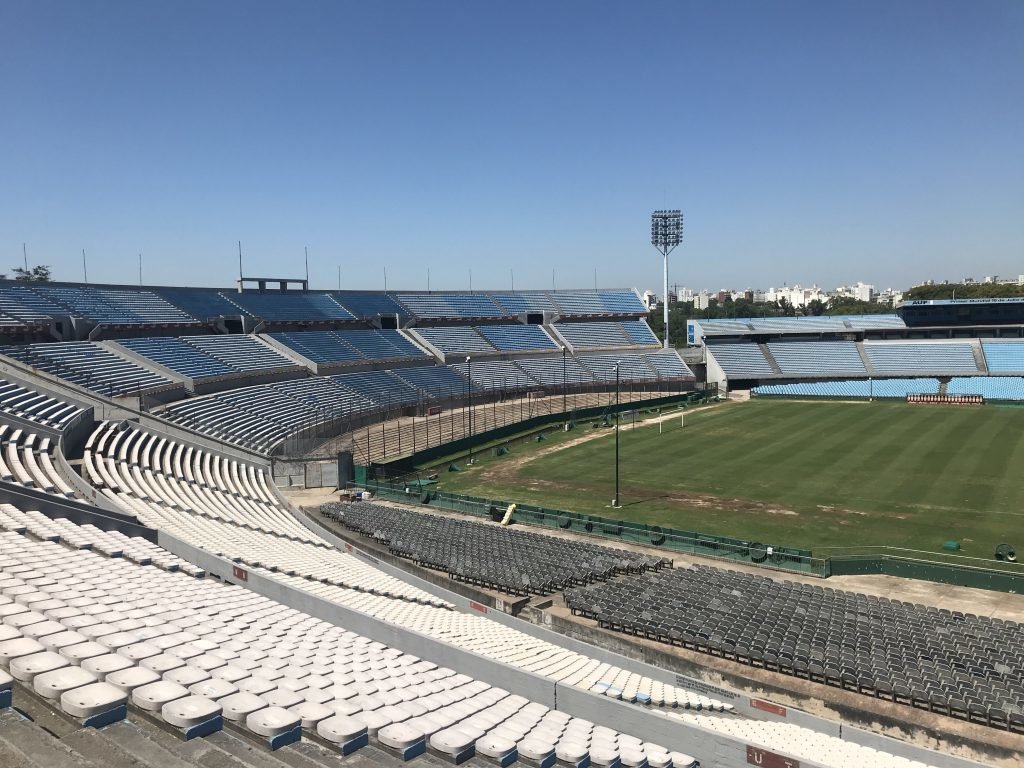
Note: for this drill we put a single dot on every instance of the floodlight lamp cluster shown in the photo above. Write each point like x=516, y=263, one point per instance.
x=666, y=229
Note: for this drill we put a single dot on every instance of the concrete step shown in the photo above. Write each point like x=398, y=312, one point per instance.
x=149, y=745
x=34, y=747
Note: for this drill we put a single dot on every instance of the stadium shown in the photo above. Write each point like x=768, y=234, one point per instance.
x=277, y=526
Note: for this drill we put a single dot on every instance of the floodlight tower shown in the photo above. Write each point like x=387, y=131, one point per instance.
x=666, y=234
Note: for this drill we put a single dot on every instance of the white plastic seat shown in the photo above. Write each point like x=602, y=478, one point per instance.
x=60, y=640
x=25, y=668
x=152, y=697
x=189, y=711
x=187, y=675
x=339, y=729
x=76, y=654
x=213, y=688
x=16, y=647
x=271, y=721
x=50, y=685
x=127, y=680
x=495, y=747
x=92, y=699
x=311, y=713
x=101, y=666
x=238, y=706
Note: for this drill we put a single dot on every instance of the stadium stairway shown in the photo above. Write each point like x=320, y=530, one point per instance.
x=979, y=357
x=863, y=356
x=771, y=360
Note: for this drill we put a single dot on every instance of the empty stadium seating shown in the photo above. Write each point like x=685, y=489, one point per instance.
x=639, y=333
x=611, y=302
x=369, y=304
x=818, y=358
x=668, y=365
x=989, y=387
x=952, y=663
x=319, y=346
x=741, y=361
x=880, y=388
x=631, y=366
x=517, y=337
x=196, y=652
x=88, y=365
x=449, y=305
x=514, y=561
x=31, y=405
x=290, y=307
x=241, y=352
x=202, y=304
x=496, y=374
x=114, y=306
x=589, y=335
x=743, y=326
x=26, y=458
x=380, y=344
x=549, y=370
x=1004, y=356
x=20, y=304
x=527, y=301
x=434, y=381
x=227, y=509
x=349, y=345
x=179, y=356
x=455, y=340
x=924, y=357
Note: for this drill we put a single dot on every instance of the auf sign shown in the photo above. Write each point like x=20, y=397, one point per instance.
x=765, y=759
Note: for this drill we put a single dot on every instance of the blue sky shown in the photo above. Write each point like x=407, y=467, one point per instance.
x=805, y=141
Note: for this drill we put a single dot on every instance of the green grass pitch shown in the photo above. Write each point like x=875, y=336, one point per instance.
x=792, y=473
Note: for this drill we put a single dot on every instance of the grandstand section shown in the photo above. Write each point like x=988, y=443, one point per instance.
x=195, y=681
x=913, y=655
x=739, y=361
x=852, y=390
x=503, y=375
x=517, y=338
x=112, y=306
x=1004, y=356
x=88, y=365
x=241, y=352
x=512, y=561
x=449, y=305
x=922, y=357
x=821, y=358
x=860, y=325
x=291, y=307
x=589, y=335
x=454, y=340
x=182, y=358
x=1007, y=388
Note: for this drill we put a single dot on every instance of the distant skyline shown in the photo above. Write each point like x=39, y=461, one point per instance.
x=831, y=142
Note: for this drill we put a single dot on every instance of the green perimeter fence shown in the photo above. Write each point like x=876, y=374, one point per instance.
x=624, y=531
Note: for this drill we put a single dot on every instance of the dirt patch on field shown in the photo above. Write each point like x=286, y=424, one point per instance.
x=508, y=468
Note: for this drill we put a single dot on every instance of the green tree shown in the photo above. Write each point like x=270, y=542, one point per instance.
x=965, y=291
x=38, y=274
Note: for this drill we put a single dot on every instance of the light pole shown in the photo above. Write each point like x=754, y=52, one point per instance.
x=469, y=375
x=666, y=234
x=615, y=501
x=563, y=381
